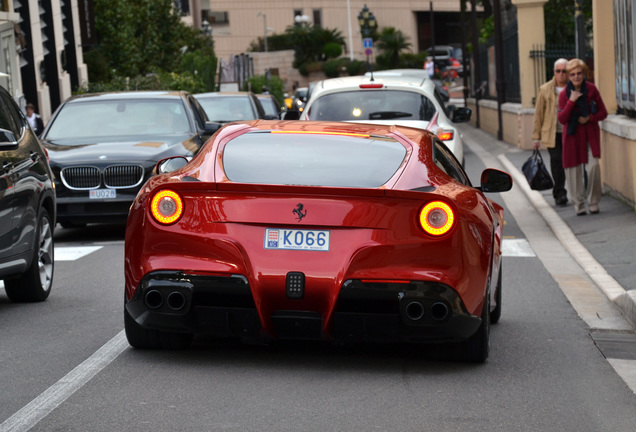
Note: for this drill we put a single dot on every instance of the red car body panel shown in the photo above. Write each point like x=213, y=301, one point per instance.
x=374, y=232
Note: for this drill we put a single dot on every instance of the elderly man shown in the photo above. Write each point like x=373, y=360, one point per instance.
x=547, y=131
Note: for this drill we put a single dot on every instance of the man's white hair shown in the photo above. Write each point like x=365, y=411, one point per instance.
x=559, y=61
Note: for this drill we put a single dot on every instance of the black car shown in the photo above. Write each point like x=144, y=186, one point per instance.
x=27, y=208
x=225, y=107
x=273, y=109
x=103, y=147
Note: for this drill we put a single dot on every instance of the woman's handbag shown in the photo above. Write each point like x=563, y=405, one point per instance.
x=536, y=173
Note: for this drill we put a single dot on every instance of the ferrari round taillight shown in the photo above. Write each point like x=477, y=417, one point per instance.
x=166, y=207
x=437, y=218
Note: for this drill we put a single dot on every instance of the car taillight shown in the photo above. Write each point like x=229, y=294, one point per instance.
x=437, y=218
x=166, y=207
x=445, y=135
x=371, y=86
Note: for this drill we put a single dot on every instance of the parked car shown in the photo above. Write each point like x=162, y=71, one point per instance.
x=225, y=107
x=103, y=147
x=272, y=107
x=448, y=60
x=404, y=97
x=27, y=208
x=316, y=230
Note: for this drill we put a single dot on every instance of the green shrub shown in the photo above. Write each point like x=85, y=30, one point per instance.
x=356, y=67
x=331, y=68
x=275, y=85
x=332, y=50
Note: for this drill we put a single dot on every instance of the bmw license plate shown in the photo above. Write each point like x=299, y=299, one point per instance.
x=292, y=239
x=102, y=193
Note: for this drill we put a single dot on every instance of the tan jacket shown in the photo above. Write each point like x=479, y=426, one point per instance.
x=545, y=115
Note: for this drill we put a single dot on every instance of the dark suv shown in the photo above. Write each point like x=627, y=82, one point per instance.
x=27, y=208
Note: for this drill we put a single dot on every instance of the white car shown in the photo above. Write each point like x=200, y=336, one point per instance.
x=404, y=97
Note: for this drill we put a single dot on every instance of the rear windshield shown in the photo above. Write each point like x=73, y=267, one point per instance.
x=312, y=159
x=116, y=118
x=372, y=105
x=228, y=108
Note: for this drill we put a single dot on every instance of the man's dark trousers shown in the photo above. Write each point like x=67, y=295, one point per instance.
x=558, y=172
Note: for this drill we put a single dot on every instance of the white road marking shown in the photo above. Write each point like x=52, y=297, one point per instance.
x=517, y=248
x=74, y=252
x=53, y=397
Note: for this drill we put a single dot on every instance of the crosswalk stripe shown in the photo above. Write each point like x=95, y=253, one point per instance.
x=517, y=248
x=74, y=253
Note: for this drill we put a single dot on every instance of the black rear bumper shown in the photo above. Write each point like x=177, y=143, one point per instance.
x=365, y=311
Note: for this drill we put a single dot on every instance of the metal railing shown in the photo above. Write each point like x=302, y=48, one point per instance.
x=544, y=58
x=512, y=89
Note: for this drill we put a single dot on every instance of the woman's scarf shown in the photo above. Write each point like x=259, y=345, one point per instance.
x=580, y=106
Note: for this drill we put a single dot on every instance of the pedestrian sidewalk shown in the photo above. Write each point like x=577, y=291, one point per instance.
x=603, y=244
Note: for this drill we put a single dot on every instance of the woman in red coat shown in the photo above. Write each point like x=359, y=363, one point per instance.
x=580, y=110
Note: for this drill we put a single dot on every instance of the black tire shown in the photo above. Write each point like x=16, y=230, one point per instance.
x=477, y=348
x=35, y=284
x=495, y=314
x=141, y=338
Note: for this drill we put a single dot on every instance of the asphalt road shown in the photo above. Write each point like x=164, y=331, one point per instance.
x=66, y=366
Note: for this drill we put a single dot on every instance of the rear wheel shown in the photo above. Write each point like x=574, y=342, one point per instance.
x=476, y=348
x=34, y=285
x=141, y=338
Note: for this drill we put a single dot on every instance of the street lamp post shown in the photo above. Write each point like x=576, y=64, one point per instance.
x=264, y=27
x=368, y=24
x=206, y=28
x=579, y=30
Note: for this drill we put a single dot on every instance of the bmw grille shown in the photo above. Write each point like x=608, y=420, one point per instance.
x=113, y=176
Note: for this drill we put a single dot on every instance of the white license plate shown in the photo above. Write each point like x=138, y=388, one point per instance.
x=102, y=193
x=292, y=239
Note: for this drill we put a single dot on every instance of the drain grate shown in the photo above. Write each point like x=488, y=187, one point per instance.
x=615, y=345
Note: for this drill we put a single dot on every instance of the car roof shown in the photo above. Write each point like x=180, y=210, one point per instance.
x=414, y=82
x=415, y=74
x=129, y=95
x=223, y=94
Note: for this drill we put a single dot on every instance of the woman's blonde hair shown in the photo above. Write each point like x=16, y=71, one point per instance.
x=576, y=63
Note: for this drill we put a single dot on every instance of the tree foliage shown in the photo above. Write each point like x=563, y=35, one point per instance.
x=559, y=21
x=274, y=84
x=312, y=45
x=308, y=42
x=392, y=42
x=139, y=38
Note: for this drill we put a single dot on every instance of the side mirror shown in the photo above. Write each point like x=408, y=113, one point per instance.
x=170, y=164
x=211, y=127
x=7, y=138
x=493, y=180
x=461, y=115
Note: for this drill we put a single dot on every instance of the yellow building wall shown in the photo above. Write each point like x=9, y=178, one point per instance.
x=618, y=156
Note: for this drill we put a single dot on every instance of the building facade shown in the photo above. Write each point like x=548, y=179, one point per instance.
x=41, y=59
x=235, y=25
